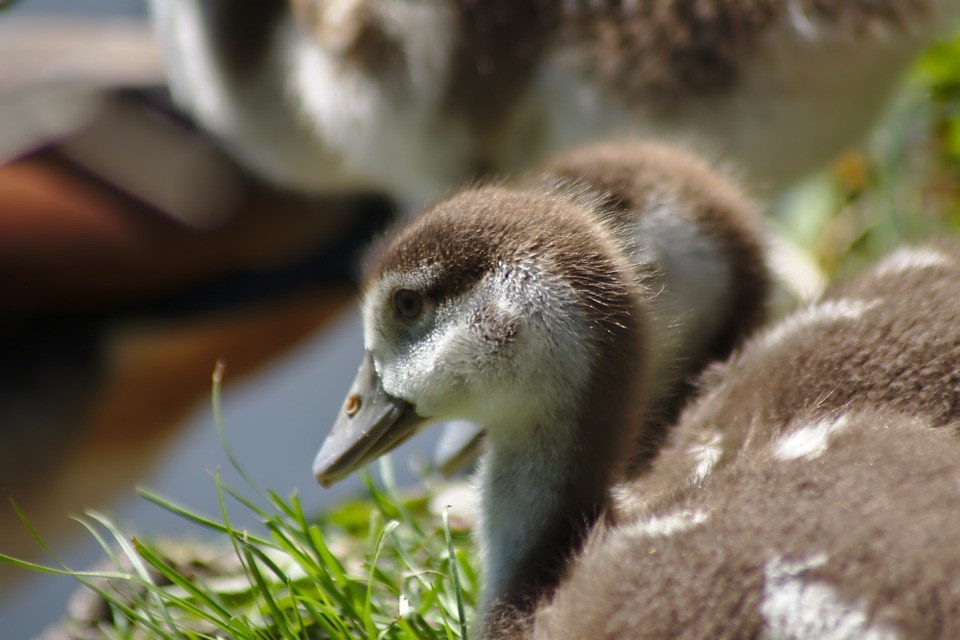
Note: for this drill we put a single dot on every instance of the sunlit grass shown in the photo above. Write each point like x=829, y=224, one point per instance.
x=380, y=567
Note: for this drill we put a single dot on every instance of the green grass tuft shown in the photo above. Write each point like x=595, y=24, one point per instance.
x=379, y=567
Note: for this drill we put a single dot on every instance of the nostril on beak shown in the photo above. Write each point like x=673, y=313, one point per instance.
x=352, y=406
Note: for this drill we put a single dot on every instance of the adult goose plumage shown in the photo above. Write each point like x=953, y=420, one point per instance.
x=412, y=97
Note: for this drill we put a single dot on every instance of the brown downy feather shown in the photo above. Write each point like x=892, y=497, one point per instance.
x=811, y=492
x=631, y=176
x=465, y=238
x=860, y=542
x=634, y=179
x=581, y=221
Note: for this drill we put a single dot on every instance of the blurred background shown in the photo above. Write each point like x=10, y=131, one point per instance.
x=126, y=339
x=172, y=268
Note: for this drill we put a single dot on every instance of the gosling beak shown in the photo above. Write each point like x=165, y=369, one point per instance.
x=370, y=424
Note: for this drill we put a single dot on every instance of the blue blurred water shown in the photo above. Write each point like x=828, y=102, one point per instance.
x=86, y=8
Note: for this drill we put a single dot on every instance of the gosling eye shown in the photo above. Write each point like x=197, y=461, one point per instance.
x=408, y=303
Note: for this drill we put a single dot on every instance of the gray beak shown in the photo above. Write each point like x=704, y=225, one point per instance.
x=370, y=424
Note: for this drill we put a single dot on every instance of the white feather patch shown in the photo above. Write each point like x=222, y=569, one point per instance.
x=706, y=455
x=794, y=607
x=667, y=525
x=809, y=441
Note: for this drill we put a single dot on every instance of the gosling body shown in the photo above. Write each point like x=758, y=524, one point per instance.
x=593, y=279
x=773, y=507
x=810, y=492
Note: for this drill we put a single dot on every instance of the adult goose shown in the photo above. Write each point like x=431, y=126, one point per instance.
x=411, y=97
x=808, y=493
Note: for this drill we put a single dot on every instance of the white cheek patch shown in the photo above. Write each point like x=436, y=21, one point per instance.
x=912, y=259
x=668, y=525
x=795, y=607
x=824, y=313
x=548, y=327
x=808, y=442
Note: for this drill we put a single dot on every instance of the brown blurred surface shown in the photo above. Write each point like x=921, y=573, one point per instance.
x=68, y=241
x=134, y=255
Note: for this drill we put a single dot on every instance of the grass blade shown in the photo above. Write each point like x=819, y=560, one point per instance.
x=196, y=518
x=454, y=573
x=215, y=394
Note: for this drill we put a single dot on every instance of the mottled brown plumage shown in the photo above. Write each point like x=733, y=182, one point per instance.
x=888, y=339
x=812, y=489
x=499, y=44
x=440, y=91
x=860, y=542
x=668, y=52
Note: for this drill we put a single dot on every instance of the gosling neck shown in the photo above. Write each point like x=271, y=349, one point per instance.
x=542, y=492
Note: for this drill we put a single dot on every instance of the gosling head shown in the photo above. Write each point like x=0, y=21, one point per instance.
x=502, y=306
